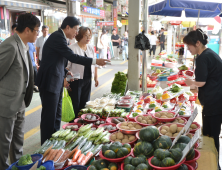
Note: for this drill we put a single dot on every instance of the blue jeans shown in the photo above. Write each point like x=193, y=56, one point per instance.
x=125, y=52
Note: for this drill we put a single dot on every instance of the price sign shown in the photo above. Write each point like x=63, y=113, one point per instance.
x=191, y=119
x=190, y=145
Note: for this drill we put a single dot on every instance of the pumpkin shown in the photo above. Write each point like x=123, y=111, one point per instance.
x=105, y=148
x=183, y=139
x=155, y=161
x=183, y=167
x=112, y=166
x=121, y=152
x=142, y=166
x=163, y=142
x=191, y=153
x=149, y=133
x=144, y=148
x=92, y=167
x=166, y=162
x=176, y=154
x=100, y=164
x=128, y=147
x=128, y=160
x=110, y=154
x=129, y=167
x=161, y=154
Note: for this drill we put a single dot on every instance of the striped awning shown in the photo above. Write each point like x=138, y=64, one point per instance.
x=24, y=4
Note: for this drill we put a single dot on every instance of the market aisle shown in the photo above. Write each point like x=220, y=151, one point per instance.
x=33, y=112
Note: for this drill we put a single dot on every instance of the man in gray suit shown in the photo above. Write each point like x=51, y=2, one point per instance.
x=16, y=87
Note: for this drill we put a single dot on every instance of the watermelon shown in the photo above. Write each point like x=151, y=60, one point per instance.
x=142, y=166
x=176, y=154
x=183, y=139
x=183, y=167
x=161, y=154
x=121, y=152
x=144, y=148
x=149, y=133
x=128, y=160
x=110, y=154
x=166, y=162
x=129, y=167
x=163, y=142
x=155, y=161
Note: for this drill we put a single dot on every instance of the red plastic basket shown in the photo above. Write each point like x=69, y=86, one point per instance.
x=197, y=156
x=164, y=119
x=185, y=120
x=131, y=143
x=115, y=159
x=185, y=117
x=168, y=124
x=189, y=166
x=142, y=124
x=68, y=124
x=194, y=130
x=166, y=168
x=127, y=132
x=173, y=77
x=130, y=119
x=76, y=120
x=194, y=165
x=91, y=121
x=110, y=119
x=105, y=124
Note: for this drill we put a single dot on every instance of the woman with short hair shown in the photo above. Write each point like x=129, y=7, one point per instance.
x=80, y=89
x=208, y=79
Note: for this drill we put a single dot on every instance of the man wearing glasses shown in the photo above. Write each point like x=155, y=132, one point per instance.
x=40, y=43
x=16, y=87
x=52, y=71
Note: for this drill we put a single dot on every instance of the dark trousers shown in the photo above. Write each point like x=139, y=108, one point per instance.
x=35, y=73
x=51, y=113
x=212, y=128
x=153, y=49
x=39, y=62
x=80, y=93
x=162, y=47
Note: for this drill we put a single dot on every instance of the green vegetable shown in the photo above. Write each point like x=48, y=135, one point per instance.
x=61, y=144
x=82, y=142
x=85, y=128
x=181, y=113
x=43, y=145
x=97, y=132
x=14, y=167
x=158, y=110
x=165, y=106
x=65, y=133
x=41, y=168
x=86, y=146
x=56, y=134
x=97, y=149
x=101, y=136
x=25, y=160
x=152, y=105
x=135, y=114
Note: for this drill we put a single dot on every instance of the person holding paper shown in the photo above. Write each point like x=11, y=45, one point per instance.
x=80, y=89
x=208, y=79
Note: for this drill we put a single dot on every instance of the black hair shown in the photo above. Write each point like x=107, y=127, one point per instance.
x=103, y=31
x=152, y=32
x=162, y=28
x=27, y=20
x=193, y=36
x=70, y=21
x=44, y=26
x=113, y=30
x=14, y=25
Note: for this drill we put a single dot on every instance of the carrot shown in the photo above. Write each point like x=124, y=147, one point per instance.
x=86, y=158
x=59, y=153
x=81, y=157
x=72, y=163
x=49, y=155
x=65, y=156
x=76, y=155
x=53, y=154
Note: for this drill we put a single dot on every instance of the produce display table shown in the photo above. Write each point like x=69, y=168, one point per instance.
x=208, y=159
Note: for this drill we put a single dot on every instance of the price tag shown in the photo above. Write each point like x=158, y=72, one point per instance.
x=34, y=167
x=190, y=145
x=191, y=119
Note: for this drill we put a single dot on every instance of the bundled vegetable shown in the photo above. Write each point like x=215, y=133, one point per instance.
x=119, y=83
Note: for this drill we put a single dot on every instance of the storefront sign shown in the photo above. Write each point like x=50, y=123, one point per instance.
x=111, y=23
x=99, y=3
x=124, y=22
x=119, y=8
x=92, y=10
x=125, y=10
x=115, y=18
x=102, y=13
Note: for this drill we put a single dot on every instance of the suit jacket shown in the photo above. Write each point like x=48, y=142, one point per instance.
x=162, y=37
x=14, y=77
x=55, y=56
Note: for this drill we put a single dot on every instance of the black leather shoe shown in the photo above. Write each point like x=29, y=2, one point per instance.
x=36, y=89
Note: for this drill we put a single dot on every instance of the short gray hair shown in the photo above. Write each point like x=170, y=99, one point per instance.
x=44, y=26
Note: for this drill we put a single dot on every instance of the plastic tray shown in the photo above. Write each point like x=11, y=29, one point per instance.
x=142, y=124
x=49, y=165
x=68, y=124
x=166, y=168
x=131, y=143
x=105, y=124
x=127, y=132
x=164, y=119
x=110, y=119
x=116, y=159
x=194, y=130
x=91, y=121
x=197, y=156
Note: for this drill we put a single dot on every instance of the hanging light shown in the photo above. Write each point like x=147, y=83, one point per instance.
x=183, y=15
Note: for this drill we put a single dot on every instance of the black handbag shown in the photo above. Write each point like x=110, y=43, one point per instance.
x=142, y=42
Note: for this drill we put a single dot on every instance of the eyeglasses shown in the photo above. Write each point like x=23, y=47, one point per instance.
x=88, y=36
x=36, y=31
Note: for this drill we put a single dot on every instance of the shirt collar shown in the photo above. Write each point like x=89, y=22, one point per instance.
x=64, y=34
x=25, y=47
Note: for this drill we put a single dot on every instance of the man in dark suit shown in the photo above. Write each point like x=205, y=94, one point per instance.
x=16, y=87
x=162, y=40
x=52, y=72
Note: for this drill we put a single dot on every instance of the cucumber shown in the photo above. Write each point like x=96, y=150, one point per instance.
x=88, y=134
x=78, y=140
x=61, y=144
x=70, y=135
x=84, y=128
x=105, y=139
x=68, y=146
x=64, y=133
x=101, y=136
x=56, y=134
x=97, y=149
x=89, y=150
x=43, y=145
x=84, y=133
x=97, y=131
x=86, y=146
x=45, y=148
x=82, y=143
x=92, y=138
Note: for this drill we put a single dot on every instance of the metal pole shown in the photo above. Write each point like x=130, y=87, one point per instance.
x=144, y=64
x=198, y=18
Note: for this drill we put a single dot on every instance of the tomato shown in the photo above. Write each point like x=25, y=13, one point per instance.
x=174, y=100
x=147, y=100
x=140, y=102
x=189, y=73
x=181, y=97
x=159, y=101
x=165, y=92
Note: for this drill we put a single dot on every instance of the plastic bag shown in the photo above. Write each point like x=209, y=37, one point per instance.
x=142, y=42
x=67, y=108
